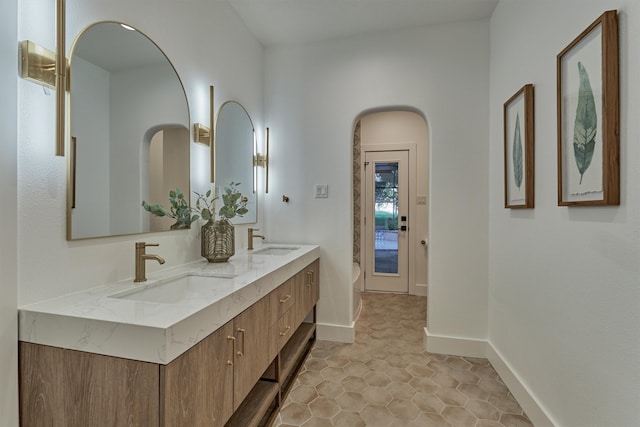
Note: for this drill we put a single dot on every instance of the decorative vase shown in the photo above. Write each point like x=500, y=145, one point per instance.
x=218, y=240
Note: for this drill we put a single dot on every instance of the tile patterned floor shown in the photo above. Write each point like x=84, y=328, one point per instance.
x=386, y=378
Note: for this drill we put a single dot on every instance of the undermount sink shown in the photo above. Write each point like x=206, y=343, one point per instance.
x=172, y=291
x=273, y=250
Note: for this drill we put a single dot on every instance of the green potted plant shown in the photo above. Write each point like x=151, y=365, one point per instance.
x=179, y=210
x=233, y=204
x=218, y=236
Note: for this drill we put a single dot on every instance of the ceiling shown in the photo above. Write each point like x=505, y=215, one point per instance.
x=286, y=22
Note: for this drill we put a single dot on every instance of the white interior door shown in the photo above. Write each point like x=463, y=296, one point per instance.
x=386, y=221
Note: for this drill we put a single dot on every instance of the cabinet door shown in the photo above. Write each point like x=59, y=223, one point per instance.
x=312, y=283
x=252, y=348
x=196, y=388
x=307, y=290
x=61, y=387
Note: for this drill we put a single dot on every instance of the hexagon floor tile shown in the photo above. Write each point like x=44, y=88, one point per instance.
x=386, y=378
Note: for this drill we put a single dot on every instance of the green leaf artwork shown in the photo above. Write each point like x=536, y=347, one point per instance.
x=517, y=153
x=585, y=127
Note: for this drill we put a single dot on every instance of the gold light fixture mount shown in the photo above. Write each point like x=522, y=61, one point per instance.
x=260, y=160
x=37, y=64
x=201, y=134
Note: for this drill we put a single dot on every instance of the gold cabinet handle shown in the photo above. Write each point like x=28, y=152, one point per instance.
x=285, y=299
x=309, y=279
x=233, y=349
x=286, y=331
x=241, y=331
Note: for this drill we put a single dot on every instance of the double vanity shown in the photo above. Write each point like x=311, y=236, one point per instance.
x=199, y=345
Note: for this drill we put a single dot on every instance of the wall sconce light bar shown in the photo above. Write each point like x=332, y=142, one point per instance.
x=37, y=64
x=61, y=76
x=201, y=134
x=266, y=164
x=262, y=160
x=212, y=136
x=50, y=69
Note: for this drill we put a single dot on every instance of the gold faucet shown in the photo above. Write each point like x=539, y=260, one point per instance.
x=141, y=258
x=252, y=236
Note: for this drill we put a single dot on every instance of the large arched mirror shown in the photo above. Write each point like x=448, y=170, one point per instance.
x=129, y=128
x=235, y=146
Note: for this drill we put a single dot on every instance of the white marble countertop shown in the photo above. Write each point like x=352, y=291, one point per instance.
x=116, y=320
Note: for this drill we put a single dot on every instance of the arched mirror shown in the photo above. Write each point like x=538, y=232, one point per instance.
x=129, y=128
x=235, y=145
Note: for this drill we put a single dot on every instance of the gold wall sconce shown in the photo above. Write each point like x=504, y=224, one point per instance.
x=50, y=69
x=201, y=134
x=40, y=65
x=262, y=160
x=37, y=64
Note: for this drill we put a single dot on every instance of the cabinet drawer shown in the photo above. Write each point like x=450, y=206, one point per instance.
x=281, y=300
x=281, y=332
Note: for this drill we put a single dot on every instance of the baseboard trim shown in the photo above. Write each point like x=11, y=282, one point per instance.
x=478, y=348
x=527, y=401
x=336, y=333
x=420, y=289
x=454, y=345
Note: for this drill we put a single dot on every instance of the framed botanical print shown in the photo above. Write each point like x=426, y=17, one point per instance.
x=519, y=149
x=588, y=116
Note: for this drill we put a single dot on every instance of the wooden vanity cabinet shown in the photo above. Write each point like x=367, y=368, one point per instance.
x=236, y=376
x=206, y=384
x=63, y=388
x=196, y=388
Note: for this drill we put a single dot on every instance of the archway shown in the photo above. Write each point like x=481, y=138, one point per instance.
x=399, y=128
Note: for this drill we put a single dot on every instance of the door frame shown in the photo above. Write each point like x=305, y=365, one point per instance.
x=412, y=148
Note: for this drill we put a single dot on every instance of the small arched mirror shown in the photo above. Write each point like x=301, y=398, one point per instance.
x=235, y=145
x=130, y=139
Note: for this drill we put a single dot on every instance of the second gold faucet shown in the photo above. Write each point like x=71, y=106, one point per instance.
x=251, y=237
x=141, y=258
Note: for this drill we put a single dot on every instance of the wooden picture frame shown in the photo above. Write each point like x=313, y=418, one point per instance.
x=589, y=116
x=519, y=149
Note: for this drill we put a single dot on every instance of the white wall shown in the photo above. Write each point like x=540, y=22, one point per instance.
x=564, y=296
x=314, y=95
x=8, y=233
x=208, y=44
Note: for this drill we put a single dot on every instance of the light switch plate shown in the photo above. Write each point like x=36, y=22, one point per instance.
x=321, y=191
x=421, y=200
